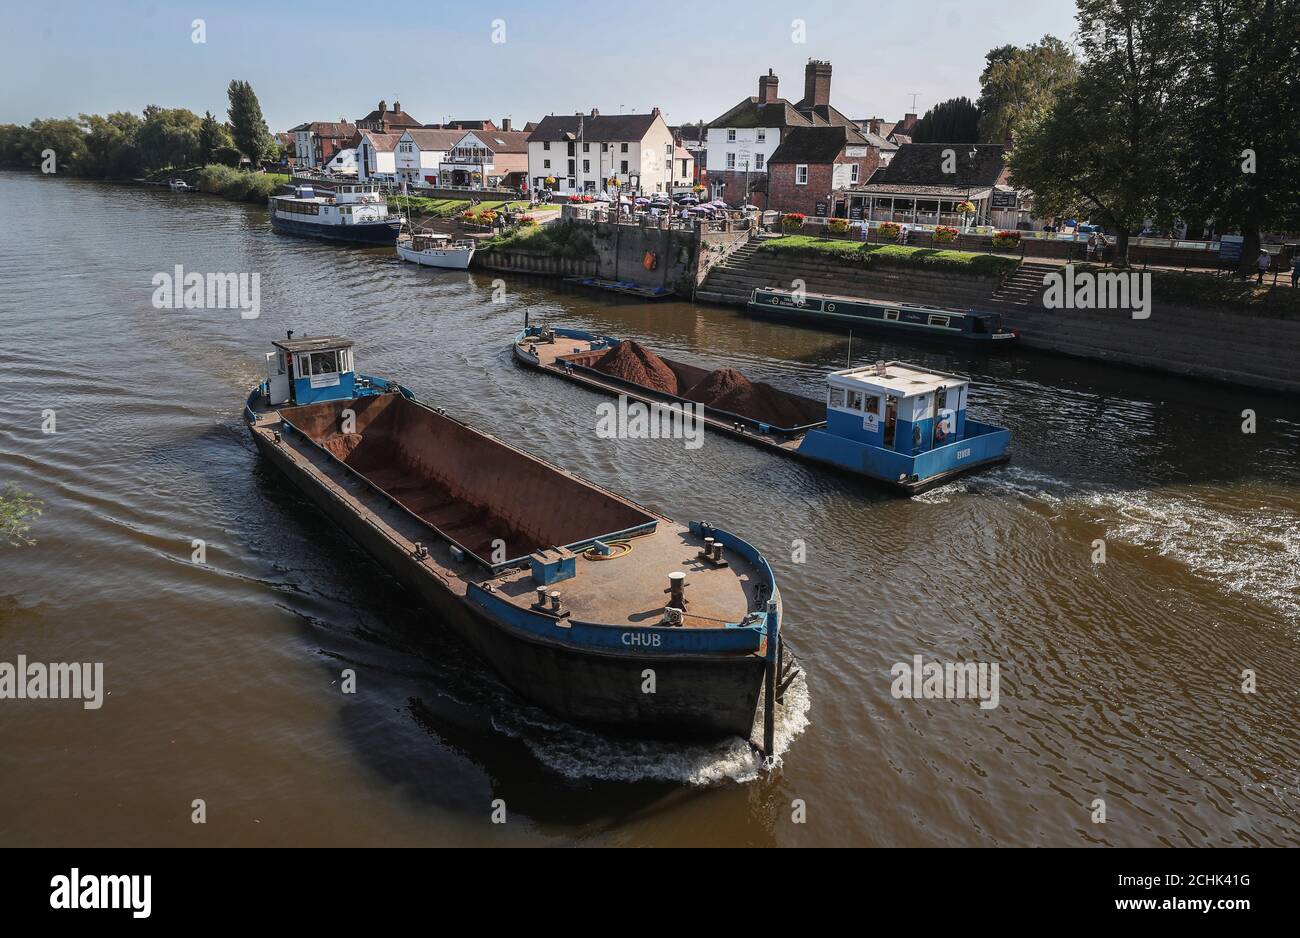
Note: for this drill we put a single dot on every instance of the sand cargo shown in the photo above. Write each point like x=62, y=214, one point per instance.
x=587, y=604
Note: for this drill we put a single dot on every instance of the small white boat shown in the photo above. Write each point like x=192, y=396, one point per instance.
x=435, y=250
x=179, y=185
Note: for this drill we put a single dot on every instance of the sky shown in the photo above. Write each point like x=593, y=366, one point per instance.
x=328, y=60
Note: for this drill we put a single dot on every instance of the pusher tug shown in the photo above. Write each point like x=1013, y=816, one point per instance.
x=898, y=424
x=575, y=595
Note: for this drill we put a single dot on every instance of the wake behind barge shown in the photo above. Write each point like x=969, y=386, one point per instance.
x=585, y=603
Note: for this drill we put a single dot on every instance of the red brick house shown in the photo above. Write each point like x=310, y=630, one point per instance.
x=813, y=164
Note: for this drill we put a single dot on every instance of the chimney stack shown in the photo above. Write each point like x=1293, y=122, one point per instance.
x=767, y=92
x=397, y=106
x=654, y=111
x=383, y=108
x=505, y=124
x=595, y=113
x=817, y=83
x=873, y=126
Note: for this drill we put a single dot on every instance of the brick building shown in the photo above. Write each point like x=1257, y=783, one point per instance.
x=813, y=164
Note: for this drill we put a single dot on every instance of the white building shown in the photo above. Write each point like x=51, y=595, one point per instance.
x=420, y=152
x=377, y=156
x=582, y=153
x=486, y=158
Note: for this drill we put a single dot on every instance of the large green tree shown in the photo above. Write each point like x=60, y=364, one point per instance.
x=112, y=146
x=1239, y=118
x=247, y=125
x=169, y=137
x=1019, y=82
x=1106, y=147
x=212, y=135
x=956, y=120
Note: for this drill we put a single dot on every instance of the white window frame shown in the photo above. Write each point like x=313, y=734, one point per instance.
x=731, y=135
x=761, y=135
x=731, y=160
x=801, y=174
x=758, y=161
x=853, y=172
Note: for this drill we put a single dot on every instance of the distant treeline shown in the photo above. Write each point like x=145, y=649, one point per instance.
x=124, y=145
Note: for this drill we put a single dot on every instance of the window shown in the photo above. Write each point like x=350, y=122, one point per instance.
x=570, y=183
x=586, y=166
x=546, y=146
x=731, y=161
x=853, y=173
x=546, y=164
x=801, y=174
x=939, y=321
x=761, y=136
x=586, y=148
x=836, y=398
x=758, y=160
x=871, y=404
x=622, y=148
x=854, y=400
x=891, y=315
x=731, y=135
x=622, y=166
x=324, y=363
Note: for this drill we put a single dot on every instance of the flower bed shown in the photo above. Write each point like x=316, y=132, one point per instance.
x=793, y=221
x=838, y=226
x=944, y=235
x=1006, y=239
x=889, y=231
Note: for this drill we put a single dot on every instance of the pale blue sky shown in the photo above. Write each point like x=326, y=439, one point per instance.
x=326, y=60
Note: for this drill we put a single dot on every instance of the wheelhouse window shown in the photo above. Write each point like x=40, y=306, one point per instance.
x=836, y=398
x=854, y=401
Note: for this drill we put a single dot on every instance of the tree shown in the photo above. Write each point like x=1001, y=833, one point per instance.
x=953, y=121
x=1019, y=82
x=112, y=146
x=62, y=135
x=212, y=135
x=1239, y=148
x=1105, y=148
x=169, y=137
x=247, y=124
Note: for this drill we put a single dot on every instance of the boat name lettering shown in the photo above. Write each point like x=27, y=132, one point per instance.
x=963, y=453
x=641, y=638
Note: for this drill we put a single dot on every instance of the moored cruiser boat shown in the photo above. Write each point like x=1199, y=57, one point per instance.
x=894, y=423
x=929, y=323
x=355, y=212
x=573, y=594
x=435, y=250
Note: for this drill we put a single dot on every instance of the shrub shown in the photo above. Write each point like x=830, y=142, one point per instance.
x=793, y=221
x=1006, y=239
x=944, y=235
x=889, y=231
x=527, y=221
x=838, y=226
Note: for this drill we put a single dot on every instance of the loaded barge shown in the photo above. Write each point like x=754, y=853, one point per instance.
x=897, y=424
x=967, y=327
x=576, y=596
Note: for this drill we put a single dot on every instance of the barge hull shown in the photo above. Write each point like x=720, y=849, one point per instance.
x=705, y=697
x=384, y=233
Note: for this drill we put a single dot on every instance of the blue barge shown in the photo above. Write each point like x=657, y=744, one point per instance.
x=896, y=424
x=977, y=328
x=571, y=593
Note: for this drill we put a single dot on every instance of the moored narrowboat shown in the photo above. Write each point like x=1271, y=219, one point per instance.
x=897, y=424
x=573, y=594
x=356, y=213
x=929, y=323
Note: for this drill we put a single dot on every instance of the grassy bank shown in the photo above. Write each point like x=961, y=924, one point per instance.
x=236, y=185
x=447, y=208
x=892, y=255
x=561, y=239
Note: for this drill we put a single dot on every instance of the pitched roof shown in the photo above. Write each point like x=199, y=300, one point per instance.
x=824, y=114
x=594, y=129
x=332, y=128
x=814, y=144
x=500, y=141
x=392, y=118
x=427, y=139
x=751, y=113
x=921, y=164
x=383, y=143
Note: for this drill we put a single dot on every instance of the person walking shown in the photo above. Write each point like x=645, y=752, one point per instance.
x=1295, y=267
x=1262, y=263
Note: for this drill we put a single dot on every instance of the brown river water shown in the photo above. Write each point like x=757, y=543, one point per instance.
x=1120, y=681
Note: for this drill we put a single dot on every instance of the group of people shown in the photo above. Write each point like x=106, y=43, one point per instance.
x=1264, y=263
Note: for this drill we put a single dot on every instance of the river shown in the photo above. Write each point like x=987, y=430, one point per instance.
x=1121, y=681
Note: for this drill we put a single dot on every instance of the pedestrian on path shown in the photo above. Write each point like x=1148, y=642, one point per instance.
x=1295, y=267
x=1263, y=263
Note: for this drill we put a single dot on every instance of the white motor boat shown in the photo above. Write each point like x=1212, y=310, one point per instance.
x=435, y=250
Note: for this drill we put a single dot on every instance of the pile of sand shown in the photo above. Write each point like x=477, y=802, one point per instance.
x=639, y=365
x=729, y=390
